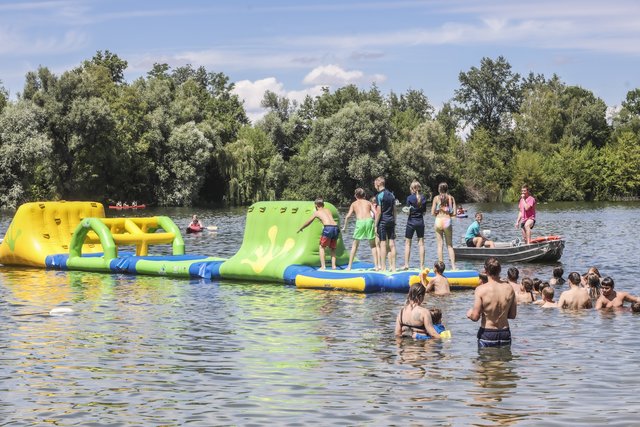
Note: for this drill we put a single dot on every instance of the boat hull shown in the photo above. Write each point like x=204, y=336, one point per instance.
x=545, y=251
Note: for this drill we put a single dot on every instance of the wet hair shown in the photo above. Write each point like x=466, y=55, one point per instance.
x=483, y=278
x=442, y=189
x=574, y=277
x=536, y=284
x=436, y=315
x=359, y=193
x=416, y=294
x=438, y=266
x=320, y=202
x=415, y=187
x=513, y=274
x=635, y=307
x=607, y=281
x=595, y=271
x=492, y=266
x=558, y=272
x=544, y=285
x=594, y=285
x=548, y=292
x=527, y=284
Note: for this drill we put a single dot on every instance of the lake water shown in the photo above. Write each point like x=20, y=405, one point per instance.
x=152, y=351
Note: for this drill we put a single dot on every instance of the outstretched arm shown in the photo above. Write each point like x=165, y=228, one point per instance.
x=346, y=218
x=309, y=221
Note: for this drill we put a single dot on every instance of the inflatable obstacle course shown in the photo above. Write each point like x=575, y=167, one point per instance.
x=77, y=236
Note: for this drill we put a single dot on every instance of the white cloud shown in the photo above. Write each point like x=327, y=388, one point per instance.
x=252, y=93
x=15, y=42
x=333, y=75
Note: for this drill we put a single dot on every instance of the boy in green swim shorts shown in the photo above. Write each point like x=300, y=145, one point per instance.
x=365, y=226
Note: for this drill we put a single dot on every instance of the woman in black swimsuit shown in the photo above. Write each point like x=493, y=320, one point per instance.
x=414, y=320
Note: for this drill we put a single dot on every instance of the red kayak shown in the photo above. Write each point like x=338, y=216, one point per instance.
x=127, y=207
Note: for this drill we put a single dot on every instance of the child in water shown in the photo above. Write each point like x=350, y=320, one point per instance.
x=330, y=232
x=439, y=284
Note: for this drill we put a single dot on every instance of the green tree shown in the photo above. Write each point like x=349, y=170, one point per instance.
x=485, y=172
x=111, y=62
x=181, y=171
x=584, y=116
x=25, y=151
x=488, y=93
x=4, y=97
x=344, y=151
x=247, y=163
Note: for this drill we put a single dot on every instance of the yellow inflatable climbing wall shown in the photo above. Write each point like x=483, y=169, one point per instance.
x=43, y=228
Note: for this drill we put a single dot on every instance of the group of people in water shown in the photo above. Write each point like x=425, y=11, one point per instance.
x=496, y=300
x=120, y=204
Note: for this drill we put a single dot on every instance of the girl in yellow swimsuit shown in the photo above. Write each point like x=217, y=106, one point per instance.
x=443, y=207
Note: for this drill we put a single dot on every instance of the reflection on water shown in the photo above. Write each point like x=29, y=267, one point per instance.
x=158, y=351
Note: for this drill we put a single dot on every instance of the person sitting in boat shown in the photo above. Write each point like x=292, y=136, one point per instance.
x=119, y=204
x=474, y=237
x=125, y=204
x=134, y=203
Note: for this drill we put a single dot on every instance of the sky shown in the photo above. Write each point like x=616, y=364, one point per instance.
x=295, y=47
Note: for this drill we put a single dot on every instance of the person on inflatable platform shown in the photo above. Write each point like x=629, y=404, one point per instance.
x=417, y=205
x=442, y=208
x=526, y=213
x=474, y=238
x=365, y=226
x=610, y=298
x=386, y=223
x=495, y=303
x=330, y=232
x=414, y=320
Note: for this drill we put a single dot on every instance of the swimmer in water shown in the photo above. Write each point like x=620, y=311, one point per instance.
x=611, y=298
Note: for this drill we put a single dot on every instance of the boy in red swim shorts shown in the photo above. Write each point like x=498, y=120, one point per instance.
x=330, y=232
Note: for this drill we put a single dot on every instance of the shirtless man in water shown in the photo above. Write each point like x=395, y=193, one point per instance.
x=495, y=302
x=576, y=297
x=609, y=298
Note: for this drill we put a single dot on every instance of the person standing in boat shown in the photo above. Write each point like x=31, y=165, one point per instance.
x=526, y=213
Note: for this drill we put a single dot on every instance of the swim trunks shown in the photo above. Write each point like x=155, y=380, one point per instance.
x=386, y=230
x=414, y=226
x=329, y=237
x=470, y=243
x=494, y=337
x=532, y=224
x=365, y=229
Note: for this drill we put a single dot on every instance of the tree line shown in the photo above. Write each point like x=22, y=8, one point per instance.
x=181, y=137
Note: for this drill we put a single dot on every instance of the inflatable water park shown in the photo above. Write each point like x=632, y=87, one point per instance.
x=69, y=235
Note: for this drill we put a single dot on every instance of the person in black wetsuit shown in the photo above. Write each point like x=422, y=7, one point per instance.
x=414, y=320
